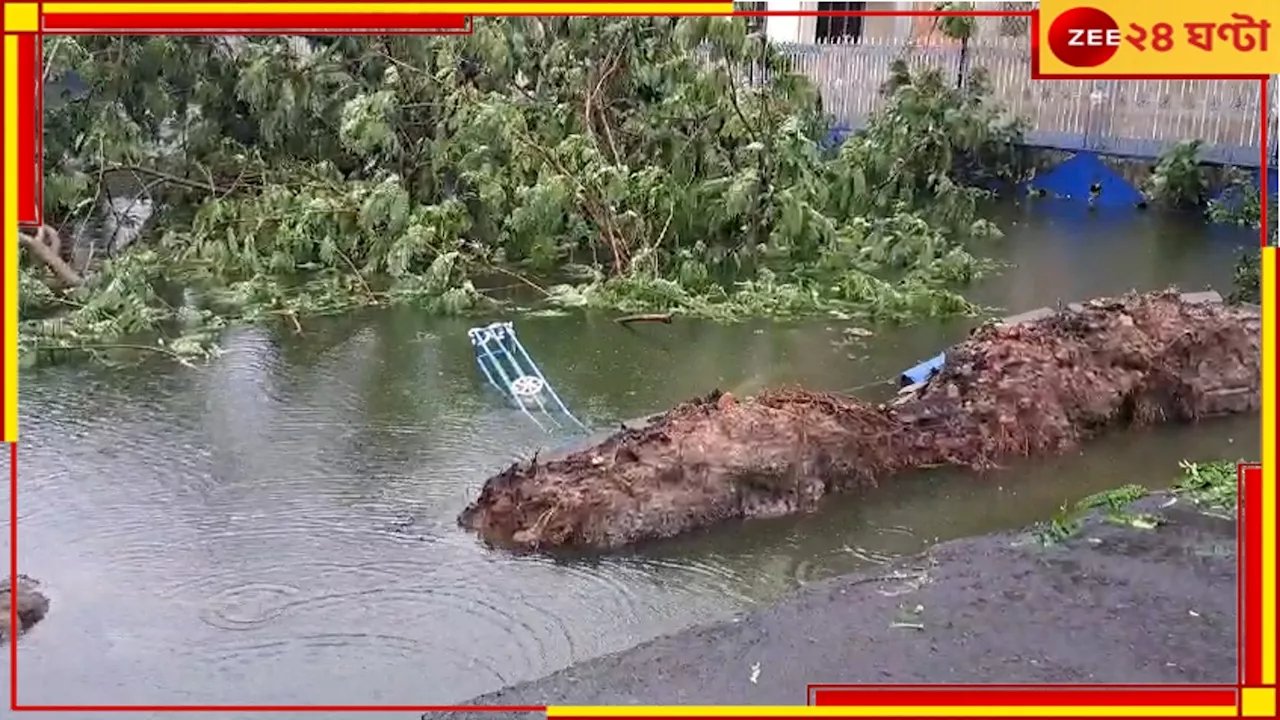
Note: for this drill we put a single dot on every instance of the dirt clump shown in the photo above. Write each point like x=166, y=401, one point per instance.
x=32, y=605
x=1038, y=387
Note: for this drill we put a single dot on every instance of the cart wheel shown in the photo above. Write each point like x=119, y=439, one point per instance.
x=527, y=386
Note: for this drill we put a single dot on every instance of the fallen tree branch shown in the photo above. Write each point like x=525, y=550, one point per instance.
x=522, y=279
x=173, y=179
x=664, y=318
x=46, y=245
x=107, y=347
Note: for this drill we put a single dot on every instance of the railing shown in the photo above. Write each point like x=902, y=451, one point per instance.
x=1136, y=118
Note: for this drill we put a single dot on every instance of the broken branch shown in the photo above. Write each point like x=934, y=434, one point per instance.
x=46, y=245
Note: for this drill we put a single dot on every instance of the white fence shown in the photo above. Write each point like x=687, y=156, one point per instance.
x=1137, y=118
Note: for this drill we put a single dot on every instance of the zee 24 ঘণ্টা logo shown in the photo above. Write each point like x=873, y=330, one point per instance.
x=1086, y=37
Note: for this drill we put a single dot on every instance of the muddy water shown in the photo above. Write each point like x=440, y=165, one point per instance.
x=279, y=527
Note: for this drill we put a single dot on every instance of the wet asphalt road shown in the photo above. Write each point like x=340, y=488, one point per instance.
x=1112, y=604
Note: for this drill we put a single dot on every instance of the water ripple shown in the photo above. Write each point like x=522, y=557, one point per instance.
x=248, y=606
x=279, y=525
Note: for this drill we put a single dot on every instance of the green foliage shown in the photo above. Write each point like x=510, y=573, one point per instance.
x=1114, y=505
x=957, y=27
x=1247, y=279
x=1058, y=529
x=292, y=176
x=1212, y=486
x=1240, y=203
x=1179, y=180
x=1115, y=499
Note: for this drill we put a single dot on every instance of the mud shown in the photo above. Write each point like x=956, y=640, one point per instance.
x=1009, y=390
x=31, y=603
x=1112, y=604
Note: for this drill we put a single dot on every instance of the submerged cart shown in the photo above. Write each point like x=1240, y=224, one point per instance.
x=507, y=366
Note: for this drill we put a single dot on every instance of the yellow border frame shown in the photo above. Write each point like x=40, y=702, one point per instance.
x=10, y=350
x=1270, y=257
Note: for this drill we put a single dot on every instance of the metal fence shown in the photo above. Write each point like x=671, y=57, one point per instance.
x=1135, y=118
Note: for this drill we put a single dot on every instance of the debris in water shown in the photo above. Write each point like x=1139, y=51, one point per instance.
x=910, y=619
x=31, y=604
x=1009, y=390
x=507, y=366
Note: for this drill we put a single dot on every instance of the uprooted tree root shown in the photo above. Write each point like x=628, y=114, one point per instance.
x=1038, y=387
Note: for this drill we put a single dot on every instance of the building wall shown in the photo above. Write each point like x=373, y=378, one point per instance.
x=923, y=29
x=883, y=28
x=796, y=29
x=1127, y=118
x=1139, y=118
x=785, y=29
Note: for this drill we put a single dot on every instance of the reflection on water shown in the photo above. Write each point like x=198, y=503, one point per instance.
x=279, y=526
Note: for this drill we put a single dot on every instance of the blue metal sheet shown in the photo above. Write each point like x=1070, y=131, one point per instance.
x=923, y=371
x=1085, y=177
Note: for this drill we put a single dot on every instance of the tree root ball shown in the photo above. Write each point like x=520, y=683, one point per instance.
x=1009, y=390
x=32, y=606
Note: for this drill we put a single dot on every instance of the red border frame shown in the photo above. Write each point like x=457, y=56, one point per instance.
x=1028, y=695
x=1249, y=553
x=30, y=196
x=266, y=23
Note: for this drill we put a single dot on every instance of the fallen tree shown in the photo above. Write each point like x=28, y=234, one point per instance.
x=1038, y=387
x=644, y=165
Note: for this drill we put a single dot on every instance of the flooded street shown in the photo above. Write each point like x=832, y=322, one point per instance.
x=279, y=527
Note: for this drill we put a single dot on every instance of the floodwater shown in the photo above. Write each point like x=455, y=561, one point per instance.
x=278, y=527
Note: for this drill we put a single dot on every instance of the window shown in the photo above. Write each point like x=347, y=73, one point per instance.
x=755, y=23
x=834, y=29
